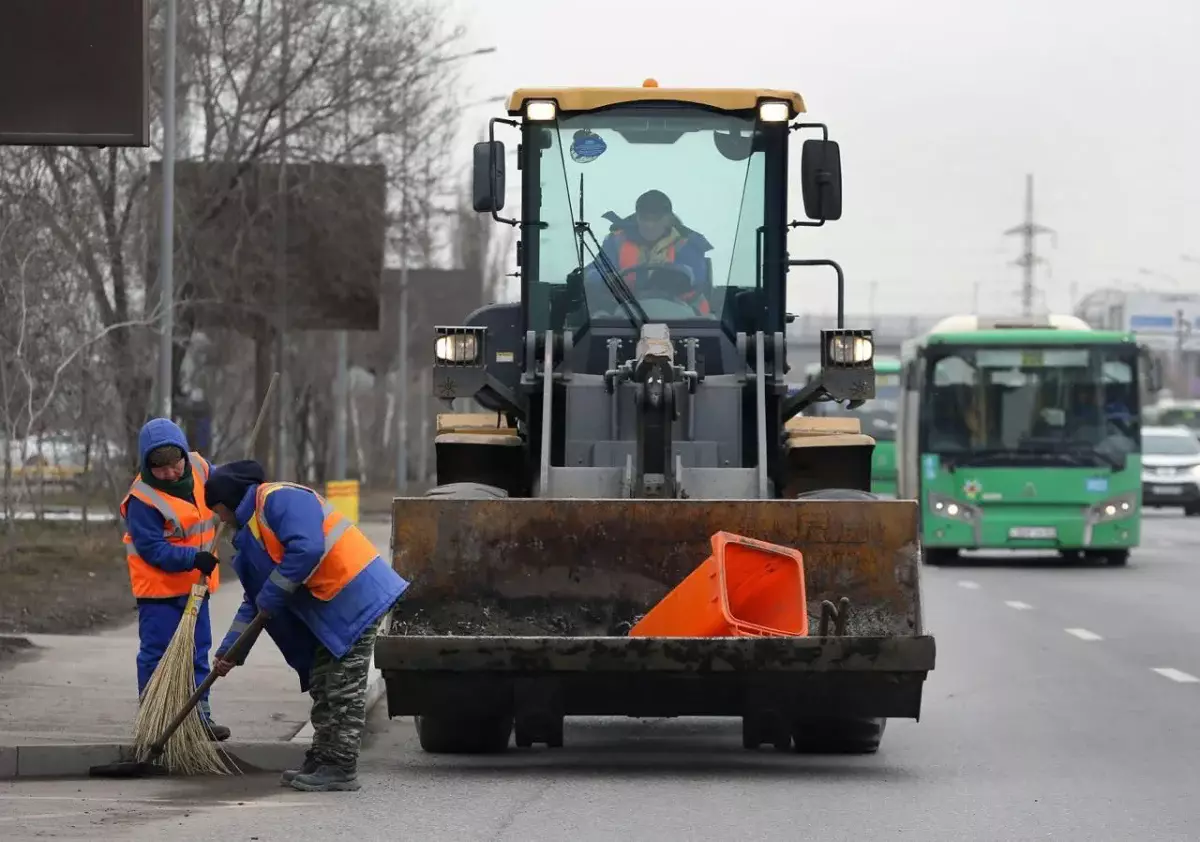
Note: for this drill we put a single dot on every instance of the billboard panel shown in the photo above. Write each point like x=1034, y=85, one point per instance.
x=74, y=73
x=226, y=244
x=1158, y=318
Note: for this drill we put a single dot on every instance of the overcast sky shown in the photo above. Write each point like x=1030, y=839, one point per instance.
x=941, y=107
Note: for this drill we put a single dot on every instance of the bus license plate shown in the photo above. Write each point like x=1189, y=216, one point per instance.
x=1040, y=532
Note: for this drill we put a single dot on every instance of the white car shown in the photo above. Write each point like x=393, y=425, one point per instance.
x=1171, y=468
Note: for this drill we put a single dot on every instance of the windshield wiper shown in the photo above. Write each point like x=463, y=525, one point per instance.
x=1111, y=459
x=981, y=458
x=608, y=272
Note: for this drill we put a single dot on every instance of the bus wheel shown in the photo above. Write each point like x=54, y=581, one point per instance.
x=1116, y=558
x=940, y=555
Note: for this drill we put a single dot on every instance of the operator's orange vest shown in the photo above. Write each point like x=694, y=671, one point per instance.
x=187, y=525
x=631, y=254
x=347, y=550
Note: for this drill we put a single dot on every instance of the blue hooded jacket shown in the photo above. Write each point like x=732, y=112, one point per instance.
x=299, y=620
x=146, y=523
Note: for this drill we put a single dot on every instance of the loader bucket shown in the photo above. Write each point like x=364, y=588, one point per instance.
x=569, y=567
x=520, y=611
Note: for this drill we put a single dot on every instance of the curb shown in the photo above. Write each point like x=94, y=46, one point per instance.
x=73, y=760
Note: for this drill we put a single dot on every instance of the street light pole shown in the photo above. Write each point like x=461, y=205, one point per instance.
x=166, y=262
x=283, y=400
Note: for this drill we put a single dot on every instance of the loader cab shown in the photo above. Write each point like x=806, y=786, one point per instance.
x=654, y=206
x=647, y=354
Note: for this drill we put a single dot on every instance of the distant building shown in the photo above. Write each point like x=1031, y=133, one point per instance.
x=1166, y=322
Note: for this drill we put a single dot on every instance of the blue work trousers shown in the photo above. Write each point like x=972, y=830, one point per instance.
x=157, y=622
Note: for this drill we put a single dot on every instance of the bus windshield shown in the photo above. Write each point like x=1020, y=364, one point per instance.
x=1066, y=404
x=667, y=199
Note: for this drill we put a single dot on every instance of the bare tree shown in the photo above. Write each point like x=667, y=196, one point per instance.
x=45, y=340
x=361, y=82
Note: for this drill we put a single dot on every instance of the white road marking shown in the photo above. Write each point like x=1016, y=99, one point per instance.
x=1084, y=634
x=1176, y=675
x=1017, y=604
x=971, y=586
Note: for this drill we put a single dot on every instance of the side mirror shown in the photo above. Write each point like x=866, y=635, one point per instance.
x=487, y=177
x=821, y=179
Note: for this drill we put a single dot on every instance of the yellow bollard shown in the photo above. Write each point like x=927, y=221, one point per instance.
x=343, y=496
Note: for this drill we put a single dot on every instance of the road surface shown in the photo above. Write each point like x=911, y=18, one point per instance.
x=1065, y=705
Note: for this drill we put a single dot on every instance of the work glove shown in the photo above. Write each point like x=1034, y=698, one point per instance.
x=205, y=562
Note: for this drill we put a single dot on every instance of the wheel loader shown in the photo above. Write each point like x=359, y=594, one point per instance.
x=628, y=407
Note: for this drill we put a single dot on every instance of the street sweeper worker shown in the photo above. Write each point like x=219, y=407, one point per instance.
x=325, y=589
x=169, y=533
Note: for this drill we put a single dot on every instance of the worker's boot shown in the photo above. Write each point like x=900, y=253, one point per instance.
x=216, y=733
x=311, y=765
x=327, y=779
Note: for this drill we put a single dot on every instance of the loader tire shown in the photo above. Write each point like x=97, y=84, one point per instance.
x=838, y=494
x=463, y=735
x=444, y=734
x=467, y=491
x=838, y=735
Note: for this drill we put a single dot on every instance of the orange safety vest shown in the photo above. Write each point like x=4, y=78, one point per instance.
x=347, y=550
x=631, y=254
x=187, y=525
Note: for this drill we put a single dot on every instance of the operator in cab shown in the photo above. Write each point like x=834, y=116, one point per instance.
x=654, y=235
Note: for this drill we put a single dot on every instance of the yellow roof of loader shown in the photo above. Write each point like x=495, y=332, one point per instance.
x=589, y=99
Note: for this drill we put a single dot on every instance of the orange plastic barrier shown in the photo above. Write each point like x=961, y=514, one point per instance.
x=745, y=588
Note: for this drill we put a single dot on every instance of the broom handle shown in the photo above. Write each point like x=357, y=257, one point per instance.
x=255, y=626
x=235, y=650
x=258, y=422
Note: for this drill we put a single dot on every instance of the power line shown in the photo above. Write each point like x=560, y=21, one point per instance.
x=1028, y=232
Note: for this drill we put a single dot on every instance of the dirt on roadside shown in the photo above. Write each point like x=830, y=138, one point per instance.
x=63, y=578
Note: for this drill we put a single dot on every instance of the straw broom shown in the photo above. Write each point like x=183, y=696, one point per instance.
x=189, y=751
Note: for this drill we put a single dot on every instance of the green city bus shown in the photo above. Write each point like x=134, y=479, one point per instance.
x=1024, y=434
x=878, y=419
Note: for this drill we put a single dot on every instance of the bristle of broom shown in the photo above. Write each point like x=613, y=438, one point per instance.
x=189, y=751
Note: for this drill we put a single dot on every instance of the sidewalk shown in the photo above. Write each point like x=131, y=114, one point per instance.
x=82, y=689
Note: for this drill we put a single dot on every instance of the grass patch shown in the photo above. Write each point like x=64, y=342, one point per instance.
x=63, y=578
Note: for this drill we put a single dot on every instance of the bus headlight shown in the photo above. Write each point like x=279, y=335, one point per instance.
x=1114, y=508
x=954, y=509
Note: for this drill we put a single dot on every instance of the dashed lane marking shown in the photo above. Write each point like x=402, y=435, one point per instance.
x=1018, y=605
x=1084, y=634
x=969, y=585
x=1176, y=675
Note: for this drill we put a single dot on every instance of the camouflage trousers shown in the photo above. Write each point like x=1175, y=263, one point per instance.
x=339, y=693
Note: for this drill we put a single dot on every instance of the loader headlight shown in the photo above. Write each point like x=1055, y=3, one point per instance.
x=953, y=509
x=850, y=350
x=1114, y=508
x=540, y=110
x=457, y=346
x=773, y=112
